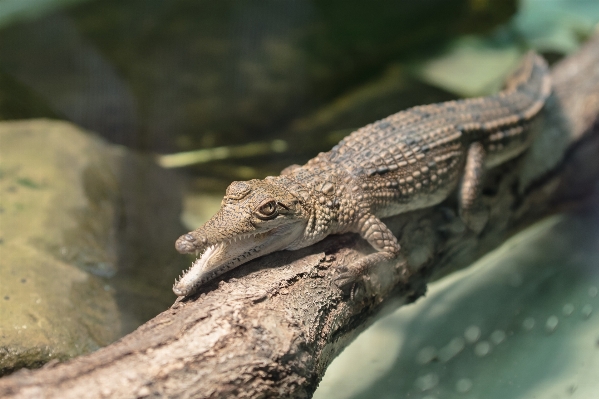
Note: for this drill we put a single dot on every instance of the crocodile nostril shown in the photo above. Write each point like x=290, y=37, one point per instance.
x=189, y=237
x=184, y=246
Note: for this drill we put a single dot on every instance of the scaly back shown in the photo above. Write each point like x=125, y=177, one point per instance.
x=501, y=122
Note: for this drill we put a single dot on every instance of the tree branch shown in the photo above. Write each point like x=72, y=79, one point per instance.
x=270, y=328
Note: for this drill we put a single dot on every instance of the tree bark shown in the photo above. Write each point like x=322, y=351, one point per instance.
x=271, y=327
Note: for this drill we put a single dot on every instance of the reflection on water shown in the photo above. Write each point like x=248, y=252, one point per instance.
x=522, y=322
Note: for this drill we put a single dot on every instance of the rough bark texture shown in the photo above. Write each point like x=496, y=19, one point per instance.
x=270, y=328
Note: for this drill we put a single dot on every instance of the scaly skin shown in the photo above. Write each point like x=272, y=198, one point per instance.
x=409, y=160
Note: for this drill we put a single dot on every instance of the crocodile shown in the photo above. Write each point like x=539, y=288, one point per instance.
x=413, y=159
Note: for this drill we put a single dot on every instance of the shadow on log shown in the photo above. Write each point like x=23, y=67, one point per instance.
x=271, y=327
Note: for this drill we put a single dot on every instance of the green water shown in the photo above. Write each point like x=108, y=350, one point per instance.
x=522, y=322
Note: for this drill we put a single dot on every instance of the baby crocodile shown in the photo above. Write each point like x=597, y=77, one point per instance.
x=410, y=160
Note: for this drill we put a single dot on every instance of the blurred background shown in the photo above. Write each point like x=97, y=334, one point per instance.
x=148, y=109
x=172, y=76
x=275, y=82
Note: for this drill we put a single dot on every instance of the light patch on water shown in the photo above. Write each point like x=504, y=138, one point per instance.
x=427, y=382
x=568, y=309
x=464, y=385
x=452, y=349
x=587, y=310
x=482, y=349
x=528, y=323
x=551, y=323
x=426, y=355
x=497, y=337
x=472, y=334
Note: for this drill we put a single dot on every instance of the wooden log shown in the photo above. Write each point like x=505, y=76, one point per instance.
x=270, y=328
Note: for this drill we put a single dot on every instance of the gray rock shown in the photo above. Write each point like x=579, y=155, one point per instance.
x=78, y=217
x=51, y=232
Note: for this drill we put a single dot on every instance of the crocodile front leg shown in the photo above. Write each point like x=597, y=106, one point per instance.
x=382, y=239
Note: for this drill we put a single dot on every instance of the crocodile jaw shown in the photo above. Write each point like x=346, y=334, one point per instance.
x=226, y=255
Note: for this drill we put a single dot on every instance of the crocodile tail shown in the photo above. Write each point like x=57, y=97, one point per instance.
x=531, y=77
x=525, y=93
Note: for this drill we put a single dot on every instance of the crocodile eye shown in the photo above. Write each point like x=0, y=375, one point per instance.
x=267, y=210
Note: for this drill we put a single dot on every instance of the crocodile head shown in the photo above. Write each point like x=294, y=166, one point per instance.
x=256, y=217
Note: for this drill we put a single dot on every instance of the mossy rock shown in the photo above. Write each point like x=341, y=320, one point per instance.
x=86, y=242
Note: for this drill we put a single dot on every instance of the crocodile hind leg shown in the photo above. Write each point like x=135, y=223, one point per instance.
x=472, y=211
x=382, y=239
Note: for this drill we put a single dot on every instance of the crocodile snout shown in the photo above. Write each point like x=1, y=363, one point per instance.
x=186, y=244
